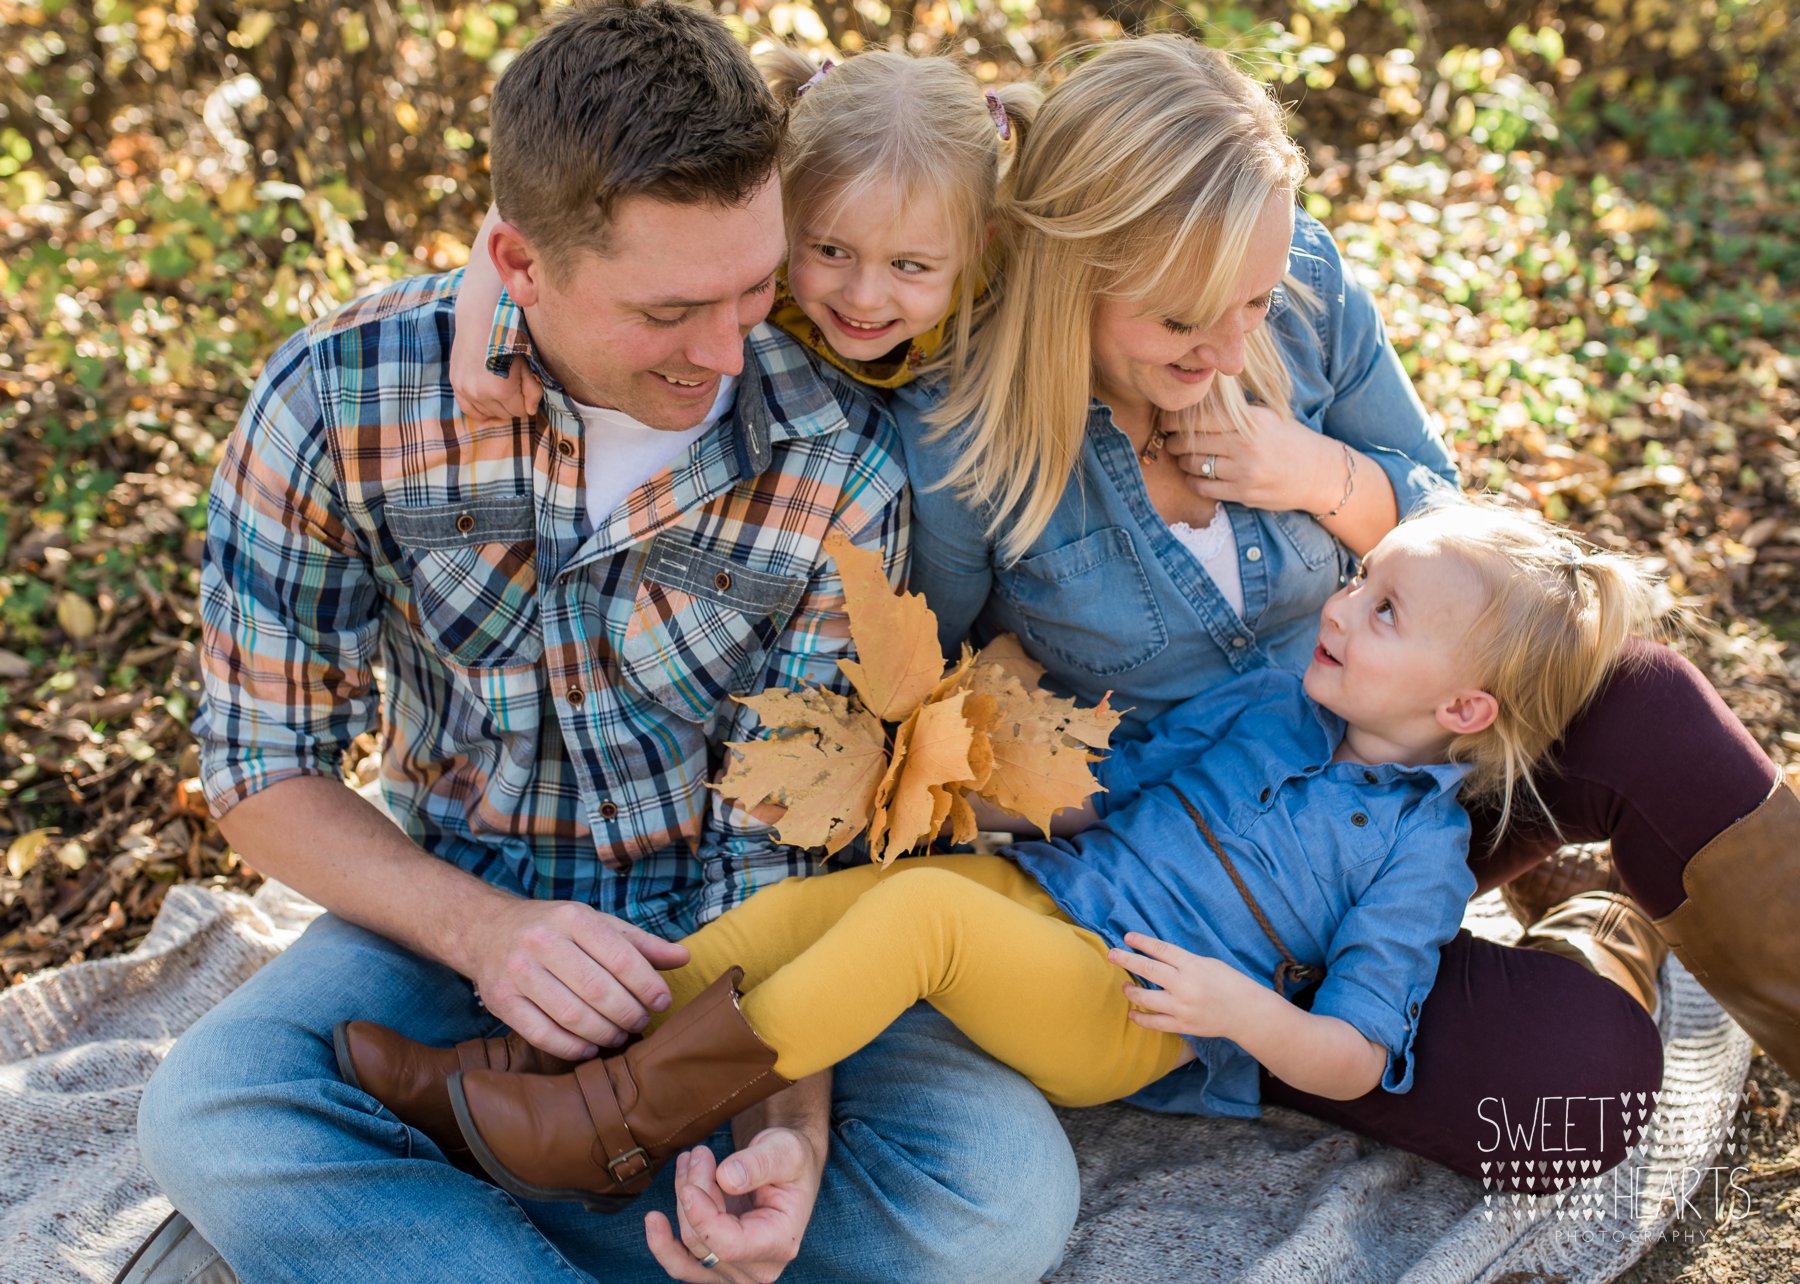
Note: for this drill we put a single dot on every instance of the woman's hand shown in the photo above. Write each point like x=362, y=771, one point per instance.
x=1279, y=464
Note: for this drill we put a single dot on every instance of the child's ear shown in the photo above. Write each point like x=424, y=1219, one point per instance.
x=520, y=267
x=1467, y=712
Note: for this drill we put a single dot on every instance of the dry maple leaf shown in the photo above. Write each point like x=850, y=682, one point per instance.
x=982, y=727
x=1008, y=654
x=825, y=770
x=1038, y=771
x=1038, y=741
x=895, y=633
x=931, y=751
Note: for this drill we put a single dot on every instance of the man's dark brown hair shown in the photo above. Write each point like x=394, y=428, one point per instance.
x=625, y=98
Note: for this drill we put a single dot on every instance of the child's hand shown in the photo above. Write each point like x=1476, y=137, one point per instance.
x=484, y=396
x=1200, y=996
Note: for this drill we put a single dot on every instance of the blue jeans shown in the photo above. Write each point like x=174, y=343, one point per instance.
x=944, y=1164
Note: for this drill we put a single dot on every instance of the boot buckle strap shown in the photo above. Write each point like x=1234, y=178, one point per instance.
x=634, y=1156
x=614, y=1146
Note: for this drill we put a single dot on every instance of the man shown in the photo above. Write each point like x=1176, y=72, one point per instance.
x=559, y=609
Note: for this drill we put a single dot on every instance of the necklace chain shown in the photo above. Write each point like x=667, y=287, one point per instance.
x=1154, y=443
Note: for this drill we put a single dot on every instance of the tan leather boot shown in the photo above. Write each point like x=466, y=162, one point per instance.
x=411, y=1078
x=599, y=1134
x=1565, y=872
x=1609, y=935
x=1738, y=931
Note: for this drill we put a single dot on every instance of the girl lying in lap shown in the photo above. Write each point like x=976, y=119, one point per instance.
x=1442, y=672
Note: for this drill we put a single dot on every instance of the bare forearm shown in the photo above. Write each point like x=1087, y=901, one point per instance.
x=1318, y=1054
x=317, y=836
x=1370, y=512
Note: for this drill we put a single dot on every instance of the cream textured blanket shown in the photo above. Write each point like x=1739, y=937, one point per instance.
x=1282, y=1199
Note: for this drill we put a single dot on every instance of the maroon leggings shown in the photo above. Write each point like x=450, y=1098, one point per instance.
x=1521, y=1056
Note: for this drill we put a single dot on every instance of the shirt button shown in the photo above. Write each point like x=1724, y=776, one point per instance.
x=1370, y=776
x=565, y=447
x=722, y=581
x=1253, y=554
x=609, y=811
x=1413, y=1009
x=576, y=694
x=465, y=523
x=1264, y=796
x=1359, y=820
x=1240, y=643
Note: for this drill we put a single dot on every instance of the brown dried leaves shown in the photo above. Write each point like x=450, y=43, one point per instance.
x=983, y=728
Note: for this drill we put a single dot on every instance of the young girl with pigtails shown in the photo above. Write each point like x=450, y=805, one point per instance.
x=1263, y=884
x=889, y=175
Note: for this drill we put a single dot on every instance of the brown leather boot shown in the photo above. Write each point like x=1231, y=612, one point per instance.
x=1737, y=929
x=1565, y=872
x=1609, y=935
x=599, y=1134
x=410, y=1078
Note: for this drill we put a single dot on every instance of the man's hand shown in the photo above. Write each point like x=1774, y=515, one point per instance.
x=749, y=1211
x=567, y=977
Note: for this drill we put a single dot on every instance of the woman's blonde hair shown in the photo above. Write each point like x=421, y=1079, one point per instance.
x=1142, y=179
x=1558, y=612
x=923, y=124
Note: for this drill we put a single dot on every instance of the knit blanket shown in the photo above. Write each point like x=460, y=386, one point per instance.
x=1284, y=1198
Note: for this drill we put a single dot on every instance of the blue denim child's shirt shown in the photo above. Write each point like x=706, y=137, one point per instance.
x=1360, y=868
x=1106, y=598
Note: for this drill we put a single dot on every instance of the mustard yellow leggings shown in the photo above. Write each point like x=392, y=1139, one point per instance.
x=830, y=961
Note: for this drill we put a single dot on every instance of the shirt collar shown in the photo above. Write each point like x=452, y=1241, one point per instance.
x=1327, y=730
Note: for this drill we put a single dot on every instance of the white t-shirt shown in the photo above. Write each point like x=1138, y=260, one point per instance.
x=623, y=454
x=1214, y=546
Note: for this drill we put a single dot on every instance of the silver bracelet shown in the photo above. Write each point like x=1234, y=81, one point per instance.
x=1349, y=485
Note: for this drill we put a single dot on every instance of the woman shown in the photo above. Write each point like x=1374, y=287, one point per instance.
x=1093, y=478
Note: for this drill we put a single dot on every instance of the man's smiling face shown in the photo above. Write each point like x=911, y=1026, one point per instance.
x=650, y=326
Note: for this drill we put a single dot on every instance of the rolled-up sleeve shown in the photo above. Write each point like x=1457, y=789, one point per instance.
x=1383, y=958
x=288, y=606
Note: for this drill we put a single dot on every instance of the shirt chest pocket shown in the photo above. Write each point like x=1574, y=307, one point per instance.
x=474, y=579
x=1089, y=603
x=700, y=626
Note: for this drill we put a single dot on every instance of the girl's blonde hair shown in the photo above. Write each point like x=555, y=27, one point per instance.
x=923, y=124
x=1558, y=614
x=1142, y=179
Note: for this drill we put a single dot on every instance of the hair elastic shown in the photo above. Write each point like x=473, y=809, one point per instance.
x=997, y=110
x=817, y=76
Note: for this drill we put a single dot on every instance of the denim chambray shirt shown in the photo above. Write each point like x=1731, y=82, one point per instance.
x=1363, y=869
x=1106, y=598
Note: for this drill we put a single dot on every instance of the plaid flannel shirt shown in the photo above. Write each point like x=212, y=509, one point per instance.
x=552, y=701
